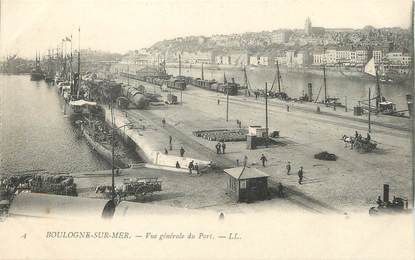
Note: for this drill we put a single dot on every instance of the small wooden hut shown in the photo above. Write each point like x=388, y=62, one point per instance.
x=247, y=184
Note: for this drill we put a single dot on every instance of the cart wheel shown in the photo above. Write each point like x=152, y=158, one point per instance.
x=373, y=211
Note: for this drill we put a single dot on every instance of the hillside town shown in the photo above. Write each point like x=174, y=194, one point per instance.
x=336, y=48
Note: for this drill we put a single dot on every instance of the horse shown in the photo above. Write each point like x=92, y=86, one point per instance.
x=348, y=140
x=103, y=189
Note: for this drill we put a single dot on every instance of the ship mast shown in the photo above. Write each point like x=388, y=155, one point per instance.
x=378, y=94
x=180, y=65
x=325, y=84
x=79, y=61
x=324, y=77
x=278, y=77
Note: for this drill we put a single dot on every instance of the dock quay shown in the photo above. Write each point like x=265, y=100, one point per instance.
x=303, y=131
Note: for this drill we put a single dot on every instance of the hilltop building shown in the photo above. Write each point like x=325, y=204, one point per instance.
x=308, y=27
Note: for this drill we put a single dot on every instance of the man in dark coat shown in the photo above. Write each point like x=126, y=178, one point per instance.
x=223, y=147
x=300, y=175
x=218, y=148
x=182, y=151
x=191, y=167
x=288, y=168
x=263, y=159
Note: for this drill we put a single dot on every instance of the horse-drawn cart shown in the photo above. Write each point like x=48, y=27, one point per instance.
x=362, y=145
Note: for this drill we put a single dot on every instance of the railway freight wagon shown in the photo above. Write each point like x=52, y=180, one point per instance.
x=169, y=83
x=201, y=83
x=229, y=87
x=176, y=84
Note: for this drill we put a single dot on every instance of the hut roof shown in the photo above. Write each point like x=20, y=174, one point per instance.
x=243, y=173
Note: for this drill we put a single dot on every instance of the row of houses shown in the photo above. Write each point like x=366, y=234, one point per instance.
x=359, y=57
x=289, y=58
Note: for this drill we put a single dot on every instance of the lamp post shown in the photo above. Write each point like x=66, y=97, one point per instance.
x=345, y=105
x=113, y=152
x=266, y=114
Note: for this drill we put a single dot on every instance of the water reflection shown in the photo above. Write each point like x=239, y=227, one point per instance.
x=35, y=134
x=295, y=83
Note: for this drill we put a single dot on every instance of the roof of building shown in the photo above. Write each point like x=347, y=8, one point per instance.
x=55, y=206
x=247, y=172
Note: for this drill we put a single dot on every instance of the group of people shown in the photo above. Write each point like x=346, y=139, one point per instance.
x=220, y=147
x=300, y=172
x=193, y=167
x=359, y=137
x=264, y=159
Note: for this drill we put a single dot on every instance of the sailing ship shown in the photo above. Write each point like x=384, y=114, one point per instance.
x=74, y=105
x=280, y=95
x=50, y=73
x=37, y=74
x=381, y=104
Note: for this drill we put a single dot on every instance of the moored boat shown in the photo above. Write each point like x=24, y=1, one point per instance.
x=97, y=136
x=37, y=74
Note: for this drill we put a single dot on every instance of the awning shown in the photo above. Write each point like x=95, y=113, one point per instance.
x=82, y=102
x=55, y=206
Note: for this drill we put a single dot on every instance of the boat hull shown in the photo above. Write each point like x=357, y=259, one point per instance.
x=105, y=153
x=36, y=76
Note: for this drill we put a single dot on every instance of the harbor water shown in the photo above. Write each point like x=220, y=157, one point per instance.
x=35, y=134
x=295, y=84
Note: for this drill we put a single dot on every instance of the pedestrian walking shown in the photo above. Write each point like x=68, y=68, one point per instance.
x=177, y=165
x=191, y=167
x=165, y=151
x=288, y=108
x=280, y=190
x=197, y=168
x=163, y=122
x=300, y=175
x=263, y=159
x=288, y=168
x=245, y=160
x=218, y=146
x=170, y=139
x=237, y=162
x=223, y=147
x=182, y=151
x=218, y=101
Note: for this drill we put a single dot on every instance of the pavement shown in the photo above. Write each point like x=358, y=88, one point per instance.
x=352, y=183
x=182, y=191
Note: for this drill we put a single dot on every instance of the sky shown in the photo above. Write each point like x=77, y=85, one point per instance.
x=28, y=26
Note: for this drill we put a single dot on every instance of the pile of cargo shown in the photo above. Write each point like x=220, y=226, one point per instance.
x=226, y=135
x=53, y=184
x=58, y=184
